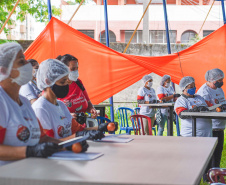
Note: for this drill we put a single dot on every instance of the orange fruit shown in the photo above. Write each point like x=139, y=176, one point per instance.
x=111, y=127
x=218, y=109
x=76, y=148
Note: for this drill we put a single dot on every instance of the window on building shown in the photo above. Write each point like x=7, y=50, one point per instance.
x=137, y=38
x=187, y=36
x=207, y=32
x=112, y=37
x=159, y=36
x=89, y=33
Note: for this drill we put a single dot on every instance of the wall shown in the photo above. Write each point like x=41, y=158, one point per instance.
x=128, y=96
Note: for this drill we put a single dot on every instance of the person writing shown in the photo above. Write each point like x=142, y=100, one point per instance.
x=21, y=135
x=55, y=118
x=30, y=90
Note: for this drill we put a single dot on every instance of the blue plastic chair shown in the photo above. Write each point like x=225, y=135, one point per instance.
x=137, y=111
x=124, y=114
x=102, y=119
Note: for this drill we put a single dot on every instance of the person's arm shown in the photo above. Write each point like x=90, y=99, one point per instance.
x=164, y=97
x=90, y=108
x=140, y=97
x=10, y=153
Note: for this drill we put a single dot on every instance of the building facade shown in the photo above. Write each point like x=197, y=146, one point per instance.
x=185, y=20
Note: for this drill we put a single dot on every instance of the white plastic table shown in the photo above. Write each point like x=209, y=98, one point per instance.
x=147, y=160
x=207, y=115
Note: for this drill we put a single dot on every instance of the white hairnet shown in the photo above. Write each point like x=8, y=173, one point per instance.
x=164, y=78
x=214, y=75
x=49, y=72
x=185, y=81
x=8, y=53
x=146, y=78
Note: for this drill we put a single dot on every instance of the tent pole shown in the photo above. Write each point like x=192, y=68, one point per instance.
x=223, y=11
x=107, y=43
x=167, y=32
x=166, y=25
x=49, y=9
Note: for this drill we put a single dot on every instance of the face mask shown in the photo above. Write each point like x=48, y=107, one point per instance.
x=218, y=84
x=167, y=85
x=35, y=72
x=25, y=74
x=191, y=91
x=150, y=84
x=60, y=91
x=73, y=75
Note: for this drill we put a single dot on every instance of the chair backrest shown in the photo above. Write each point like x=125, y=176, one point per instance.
x=123, y=114
x=137, y=121
x=136, y=110
x=215, y=173
x=102, y=120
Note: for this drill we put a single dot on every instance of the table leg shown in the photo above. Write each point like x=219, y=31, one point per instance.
x=193, y=127
x=170, y=123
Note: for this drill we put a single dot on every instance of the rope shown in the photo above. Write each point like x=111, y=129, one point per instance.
x=137, y=27
x=206, y=17
x=75, y=12
x=9, y=16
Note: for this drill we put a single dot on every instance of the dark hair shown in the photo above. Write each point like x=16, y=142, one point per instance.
x=67, y=58
x=32, y=61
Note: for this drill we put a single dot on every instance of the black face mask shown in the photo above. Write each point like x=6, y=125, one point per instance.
x=60, y=91
x=218, y=84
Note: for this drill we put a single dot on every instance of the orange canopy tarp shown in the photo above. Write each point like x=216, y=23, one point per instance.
x=106, y=72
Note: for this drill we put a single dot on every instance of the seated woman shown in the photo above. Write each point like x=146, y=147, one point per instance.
x=30, y=90
x=21, y=135
x=77, y=99
x=165, y=93
x=191, y=102
x=146, y=94
x=55, y=118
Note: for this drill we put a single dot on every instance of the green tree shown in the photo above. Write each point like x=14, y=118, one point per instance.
x=37, y=8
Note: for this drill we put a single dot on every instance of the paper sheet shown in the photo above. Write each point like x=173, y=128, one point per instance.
x=115, y=139
x=71, y=156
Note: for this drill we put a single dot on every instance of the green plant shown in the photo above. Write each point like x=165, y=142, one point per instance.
x=38, y=9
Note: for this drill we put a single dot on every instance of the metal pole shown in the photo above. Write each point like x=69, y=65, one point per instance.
x=107, y=44
x=166, y=25
x=223, y=11
x=49, y=9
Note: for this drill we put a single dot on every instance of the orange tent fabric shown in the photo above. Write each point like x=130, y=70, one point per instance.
x=106, y=72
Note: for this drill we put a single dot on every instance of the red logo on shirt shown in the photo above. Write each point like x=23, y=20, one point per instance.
x=216, y=101
x=23, y=133
x=60, y=131
x=68, y=103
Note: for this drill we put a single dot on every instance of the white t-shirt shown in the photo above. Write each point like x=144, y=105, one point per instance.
x=55, y=118
x=212, y=97
x=147, y=95
x=163, y=91
x=18, y=124
x=203, y=126
x=30, y=90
